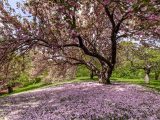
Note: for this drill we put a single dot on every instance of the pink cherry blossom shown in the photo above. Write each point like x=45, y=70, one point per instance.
x=87, y=101
x=106, y=2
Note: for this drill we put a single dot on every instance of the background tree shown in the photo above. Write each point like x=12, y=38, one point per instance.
x=10, y=72
x=142, y=57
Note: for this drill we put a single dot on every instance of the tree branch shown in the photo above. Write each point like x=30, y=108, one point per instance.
x=110, y=16
x=87, y=52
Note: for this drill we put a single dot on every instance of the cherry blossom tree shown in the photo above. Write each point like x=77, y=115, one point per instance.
x=50, y=71
x=78, y=31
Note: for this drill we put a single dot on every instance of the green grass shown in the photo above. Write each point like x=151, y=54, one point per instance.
x=30, y=87
x=154, y=84
x=26, y=88
x=77, y=80
x=126, y=80
x=42, y=85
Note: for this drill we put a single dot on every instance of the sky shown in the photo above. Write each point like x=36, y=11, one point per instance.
x=18, y=10
x=13, y=5
x=13, y=2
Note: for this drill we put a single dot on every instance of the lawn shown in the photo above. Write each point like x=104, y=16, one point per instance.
x=154, y=84
x=43, y=85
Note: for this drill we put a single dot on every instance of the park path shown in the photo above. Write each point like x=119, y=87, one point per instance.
x=83, y=101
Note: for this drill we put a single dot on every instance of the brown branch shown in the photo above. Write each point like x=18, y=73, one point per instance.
x=87, y=52
x=124, y=17
x=110, y=16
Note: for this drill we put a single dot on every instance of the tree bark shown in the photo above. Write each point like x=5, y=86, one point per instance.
x=146, y=78
x=147, y=72
x=104, y=76
x=91, y=75
x=10, y=89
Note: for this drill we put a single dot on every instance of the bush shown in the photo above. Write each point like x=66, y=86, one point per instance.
x=37, y=80
x=25, y=80
x=127, y=72
x=82, y=71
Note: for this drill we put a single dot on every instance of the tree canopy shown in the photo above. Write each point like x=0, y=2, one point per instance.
x=78, y=31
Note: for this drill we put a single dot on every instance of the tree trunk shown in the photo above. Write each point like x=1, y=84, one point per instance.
x=146, y=78
x=156, y=76
x=10, y=89
x=147, y=72
x=104, y=76
x=91, y=75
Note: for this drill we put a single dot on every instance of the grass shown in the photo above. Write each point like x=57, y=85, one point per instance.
x=26, y=88
x=154, y=84
x=42, y=85
x=30, y=87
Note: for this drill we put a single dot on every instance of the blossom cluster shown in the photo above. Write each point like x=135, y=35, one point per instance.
x=83, y=101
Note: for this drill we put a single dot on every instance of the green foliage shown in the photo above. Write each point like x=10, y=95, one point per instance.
x=133, y=58
x=82, y=71
x=37, y=80
x=23, y=79
x=127, y=72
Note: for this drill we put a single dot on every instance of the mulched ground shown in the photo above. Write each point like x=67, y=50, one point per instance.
x=83, y=101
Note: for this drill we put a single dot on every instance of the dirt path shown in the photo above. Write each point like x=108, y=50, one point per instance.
x=82, y=101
